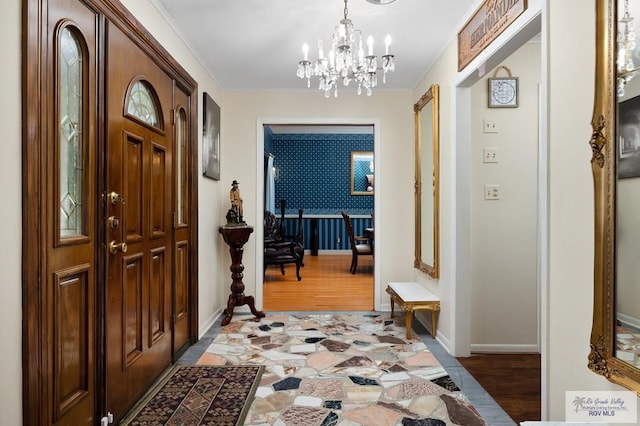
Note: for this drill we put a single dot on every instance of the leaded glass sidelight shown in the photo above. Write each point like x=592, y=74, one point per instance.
x=181, y=142
x=70, y=133
x=142, y=104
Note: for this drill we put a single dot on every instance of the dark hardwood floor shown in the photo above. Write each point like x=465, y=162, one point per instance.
x=512, y=380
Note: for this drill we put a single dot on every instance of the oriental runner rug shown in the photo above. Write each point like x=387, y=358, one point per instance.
x=199, y=395
x=341, y=370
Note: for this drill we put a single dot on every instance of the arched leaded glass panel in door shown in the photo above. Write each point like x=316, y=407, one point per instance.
x=71, y=149
x=142, y=104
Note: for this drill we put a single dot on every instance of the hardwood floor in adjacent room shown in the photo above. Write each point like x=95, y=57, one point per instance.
x=326, y=285
x=512, y=380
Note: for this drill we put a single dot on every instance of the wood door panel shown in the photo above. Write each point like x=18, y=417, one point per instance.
x=182, y=280
x=181, y=293
x=132, y=310
x=157, y=292
x=132, y=164
x=158, y=192
x=73, y=376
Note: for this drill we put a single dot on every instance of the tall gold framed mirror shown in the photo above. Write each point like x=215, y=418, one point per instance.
x=427, y=194
x=615, y=143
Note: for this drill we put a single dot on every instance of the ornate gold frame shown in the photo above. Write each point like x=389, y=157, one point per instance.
x=430, y=96
x=602, y=356
x=353, y=191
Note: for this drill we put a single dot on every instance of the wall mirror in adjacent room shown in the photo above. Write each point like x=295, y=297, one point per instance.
x=427, y=182
x=362, y=176
x=615, y=143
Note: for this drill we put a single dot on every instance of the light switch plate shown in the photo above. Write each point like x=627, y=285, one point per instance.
x=492, y=192
x=489, y=155
x=489, y=126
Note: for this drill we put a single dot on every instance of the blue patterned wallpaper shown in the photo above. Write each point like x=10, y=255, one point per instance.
x=329, y=231
x=313, y=172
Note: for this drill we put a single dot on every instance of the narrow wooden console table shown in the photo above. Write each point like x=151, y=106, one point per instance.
x=236, y=237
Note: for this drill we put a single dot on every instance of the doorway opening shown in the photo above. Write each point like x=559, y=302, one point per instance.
x=322, y=188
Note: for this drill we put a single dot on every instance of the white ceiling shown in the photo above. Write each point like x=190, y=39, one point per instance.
x=255, y=45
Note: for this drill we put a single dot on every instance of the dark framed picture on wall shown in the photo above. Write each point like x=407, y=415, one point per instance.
x=210, y=138
x=629, y=139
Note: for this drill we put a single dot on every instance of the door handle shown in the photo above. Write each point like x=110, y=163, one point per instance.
x=117, y=247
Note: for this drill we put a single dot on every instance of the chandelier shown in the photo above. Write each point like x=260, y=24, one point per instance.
x=346, y=61
x=626, y=49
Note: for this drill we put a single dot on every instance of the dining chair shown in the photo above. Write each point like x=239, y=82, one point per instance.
x=278, y=250
x=359, y=245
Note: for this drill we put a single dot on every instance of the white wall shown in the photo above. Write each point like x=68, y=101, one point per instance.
x=11, y=215
x=394, y=172
x=571, y=245
x=443, y=74
x=504, y=288
x=454, y=285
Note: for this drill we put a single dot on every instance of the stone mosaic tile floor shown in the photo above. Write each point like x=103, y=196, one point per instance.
x=342, y=370
x=628, y=344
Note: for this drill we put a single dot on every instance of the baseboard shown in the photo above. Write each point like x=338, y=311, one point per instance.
x=628, y=320
x=424, y=319
x=209, y=322
x=504, y=348
x=321, y=252
x=386, y=307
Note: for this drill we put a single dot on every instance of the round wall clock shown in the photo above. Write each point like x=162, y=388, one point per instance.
x=503, y=92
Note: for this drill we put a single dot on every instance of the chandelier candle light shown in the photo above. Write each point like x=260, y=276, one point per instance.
x=346, y=61
x=626, y=50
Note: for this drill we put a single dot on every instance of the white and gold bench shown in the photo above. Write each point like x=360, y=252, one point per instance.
x=412, y=297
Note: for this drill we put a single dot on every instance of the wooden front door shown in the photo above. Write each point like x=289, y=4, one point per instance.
x=110, y=161
x=183, y=249
x=139, y=226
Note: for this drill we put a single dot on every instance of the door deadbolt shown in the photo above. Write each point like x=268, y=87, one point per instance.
x=114, y=197
x=113, y=223
x=117, y=247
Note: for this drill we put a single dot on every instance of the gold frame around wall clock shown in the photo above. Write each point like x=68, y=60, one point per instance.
x=602, y=357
